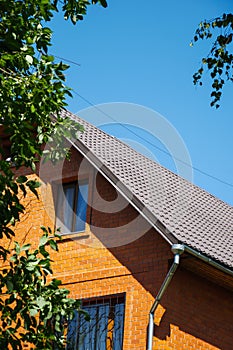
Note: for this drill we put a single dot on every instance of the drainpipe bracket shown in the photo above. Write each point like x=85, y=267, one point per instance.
x=177, y=249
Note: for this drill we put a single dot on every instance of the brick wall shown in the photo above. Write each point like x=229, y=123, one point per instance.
x=194, y=313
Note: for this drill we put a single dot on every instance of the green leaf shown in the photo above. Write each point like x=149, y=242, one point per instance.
x=43, y=240
x=10, y=285
x=33, y=166
x=41, y=302
x=13, y=258
x=32, y=108
x=33, y=184
x=21, y=179
x=22, y=187
x=44, y=229
x=43, y=251
x=31, y=267
x=29, y=59
x=104, y=3
x=53, y=244
x=55, y=282
x=17, y=248
x=26, y=247
x=33, y=312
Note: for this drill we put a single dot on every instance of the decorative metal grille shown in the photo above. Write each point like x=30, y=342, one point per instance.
x=105, y=329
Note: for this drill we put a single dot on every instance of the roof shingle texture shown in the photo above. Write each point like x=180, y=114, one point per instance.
x=192, y=215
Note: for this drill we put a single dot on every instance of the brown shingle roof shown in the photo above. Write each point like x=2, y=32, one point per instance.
x=193, y=216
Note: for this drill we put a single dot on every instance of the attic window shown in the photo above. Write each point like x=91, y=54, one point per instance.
x=72, y=207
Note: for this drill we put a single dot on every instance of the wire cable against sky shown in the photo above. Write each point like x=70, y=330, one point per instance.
x=67, y=60
x=155, y=146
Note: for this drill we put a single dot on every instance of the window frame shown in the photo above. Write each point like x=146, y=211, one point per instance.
x=76, y=184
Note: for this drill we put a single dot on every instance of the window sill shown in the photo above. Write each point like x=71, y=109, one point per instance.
x=72, y=236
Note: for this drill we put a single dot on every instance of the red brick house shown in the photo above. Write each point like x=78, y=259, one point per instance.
x=148, y=253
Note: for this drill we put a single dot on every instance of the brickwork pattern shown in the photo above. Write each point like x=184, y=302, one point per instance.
x=194, y=313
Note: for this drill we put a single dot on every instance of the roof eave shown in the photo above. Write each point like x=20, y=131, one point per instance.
x=208, y=260
x=140, y=207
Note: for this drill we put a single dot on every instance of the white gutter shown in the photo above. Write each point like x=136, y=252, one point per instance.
x=177, y=250
x=208, y=260
x=143, y=211
x=126, y=193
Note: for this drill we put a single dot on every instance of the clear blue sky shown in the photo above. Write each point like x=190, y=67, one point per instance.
x=138, y=52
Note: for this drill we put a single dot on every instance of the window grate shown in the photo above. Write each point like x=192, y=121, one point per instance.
x=105, y=329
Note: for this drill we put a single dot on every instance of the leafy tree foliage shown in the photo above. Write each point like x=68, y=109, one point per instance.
x=219, y=61
x=32, y=90
x=32, y=309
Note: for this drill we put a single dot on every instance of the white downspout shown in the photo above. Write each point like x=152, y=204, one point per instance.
x=177, y=250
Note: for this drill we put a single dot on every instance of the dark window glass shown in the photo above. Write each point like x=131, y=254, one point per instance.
x=72, y=207
x=104, y=331
x=81, y=208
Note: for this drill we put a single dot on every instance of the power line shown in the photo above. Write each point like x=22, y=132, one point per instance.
x=143, y=139
x=67, y=60
x=152, y=144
